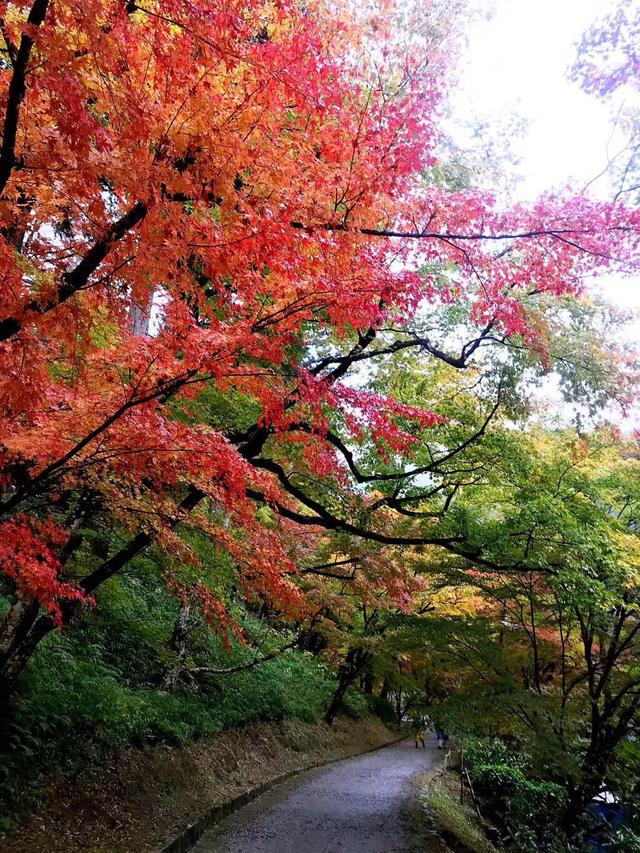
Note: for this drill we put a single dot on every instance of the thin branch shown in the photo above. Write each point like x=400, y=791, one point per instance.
x=448, y=236
x=243, y=667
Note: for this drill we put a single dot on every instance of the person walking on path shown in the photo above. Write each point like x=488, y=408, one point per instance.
x=441, y=738
x=419, y=731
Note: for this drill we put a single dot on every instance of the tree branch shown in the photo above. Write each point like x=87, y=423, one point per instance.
x=77, y=278
x=447, y=236
x=325, y=518
x=243, y=667
x=16, y=93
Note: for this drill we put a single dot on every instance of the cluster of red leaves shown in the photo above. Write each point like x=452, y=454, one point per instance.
x=28, y=556
x=213, y=610
x=243, y=166
x=380, y=418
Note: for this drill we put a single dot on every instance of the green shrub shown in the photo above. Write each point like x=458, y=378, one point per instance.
x=354, y=704
x=520, y=805
x=481, y=750
x=98, y=687
x=623, y=839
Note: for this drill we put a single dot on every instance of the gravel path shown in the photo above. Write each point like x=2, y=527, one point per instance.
x=361, y=805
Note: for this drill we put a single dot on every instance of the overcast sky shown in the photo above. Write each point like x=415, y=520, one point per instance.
x=516, y=63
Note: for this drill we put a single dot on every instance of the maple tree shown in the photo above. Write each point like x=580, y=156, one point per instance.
x=356, y=595
x=256, y=175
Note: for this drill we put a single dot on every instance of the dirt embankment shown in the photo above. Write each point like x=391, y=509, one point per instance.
x=142, y=798
x=458, y=824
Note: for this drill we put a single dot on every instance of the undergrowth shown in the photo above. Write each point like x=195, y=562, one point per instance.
x=98, y=688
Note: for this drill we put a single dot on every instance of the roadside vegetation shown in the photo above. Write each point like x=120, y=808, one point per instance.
x=457, y=823
x=101, y=688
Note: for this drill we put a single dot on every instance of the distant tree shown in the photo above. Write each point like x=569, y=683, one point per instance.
x=608, y=64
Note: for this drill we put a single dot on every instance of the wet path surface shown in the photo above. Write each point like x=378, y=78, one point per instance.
x=361, y=805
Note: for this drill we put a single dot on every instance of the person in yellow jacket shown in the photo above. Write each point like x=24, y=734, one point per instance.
x=420, y=738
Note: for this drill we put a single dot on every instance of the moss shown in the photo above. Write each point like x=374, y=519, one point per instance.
x=455, y=822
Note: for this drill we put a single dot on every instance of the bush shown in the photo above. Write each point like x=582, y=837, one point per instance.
x=624, y=840
x=354, y=704
x=522, y=806
x=480, y=750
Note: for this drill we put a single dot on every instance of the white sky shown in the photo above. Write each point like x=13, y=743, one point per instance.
x=516, y=63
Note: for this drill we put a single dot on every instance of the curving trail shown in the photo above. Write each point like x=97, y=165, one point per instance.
x=360, y=805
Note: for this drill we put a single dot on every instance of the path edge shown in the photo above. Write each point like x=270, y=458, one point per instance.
x=193, y=832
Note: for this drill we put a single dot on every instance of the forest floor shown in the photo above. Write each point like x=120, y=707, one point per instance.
x=140, y=799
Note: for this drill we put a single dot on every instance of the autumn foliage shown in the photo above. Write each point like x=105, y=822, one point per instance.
x=253, y=177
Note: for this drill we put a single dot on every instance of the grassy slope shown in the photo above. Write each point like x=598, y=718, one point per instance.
x=98, y=689
x=457, y=823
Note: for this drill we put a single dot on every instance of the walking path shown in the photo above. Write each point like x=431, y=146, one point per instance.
x=361, y=805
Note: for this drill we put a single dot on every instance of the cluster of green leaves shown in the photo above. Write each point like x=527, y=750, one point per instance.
x=545, y=652
x=522, y=802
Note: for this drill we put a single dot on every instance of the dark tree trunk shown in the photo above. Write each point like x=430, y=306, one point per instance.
x=368, y=682
x=14, y=641
x=594, y=769
x=386, y=688
x=178, y=644
x=23, y=629
x=579, y=798
x=312, y=641
x=354, y=663
x=28, y=634
x=336, y=701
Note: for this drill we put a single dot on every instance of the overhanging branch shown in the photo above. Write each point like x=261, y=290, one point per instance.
x=76, y=279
